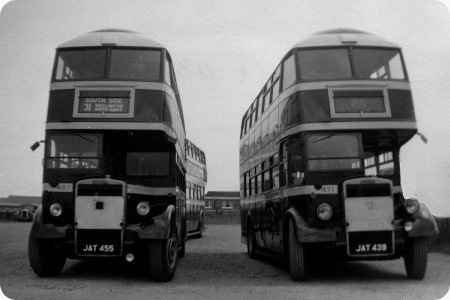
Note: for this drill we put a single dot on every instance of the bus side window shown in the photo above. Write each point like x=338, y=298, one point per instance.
x=275, y=183
x=247, y=184
x=167, y=72
x=296, y=168
x=289, y=76
x=283, y=164
x=258, y=184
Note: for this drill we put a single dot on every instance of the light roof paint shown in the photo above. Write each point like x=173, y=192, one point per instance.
x=116, y=37
x=344, y=36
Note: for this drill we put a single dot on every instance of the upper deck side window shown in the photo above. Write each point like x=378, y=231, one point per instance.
x=171, y=74
x=289, y=75
x=108, y=64
x=167, y=72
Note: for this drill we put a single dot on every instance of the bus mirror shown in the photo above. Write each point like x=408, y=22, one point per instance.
x=36, y=145
x=422, y=137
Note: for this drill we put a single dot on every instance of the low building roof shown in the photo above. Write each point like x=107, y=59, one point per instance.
x=21, y=200
x=222, y=194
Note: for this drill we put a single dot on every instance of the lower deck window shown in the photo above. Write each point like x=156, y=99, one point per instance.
x=382, y=164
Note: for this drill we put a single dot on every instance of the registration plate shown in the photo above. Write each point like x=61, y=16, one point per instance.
x=99, y=242
x=370, y=243
x=106, y=249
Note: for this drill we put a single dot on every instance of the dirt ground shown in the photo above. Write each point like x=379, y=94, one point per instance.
x=215, y=267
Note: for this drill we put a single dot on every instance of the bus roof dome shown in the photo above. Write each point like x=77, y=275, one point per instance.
x=111, y=37
x=344, y=36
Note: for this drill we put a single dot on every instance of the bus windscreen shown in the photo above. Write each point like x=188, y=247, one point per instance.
x=73, y=151
x=333, y=152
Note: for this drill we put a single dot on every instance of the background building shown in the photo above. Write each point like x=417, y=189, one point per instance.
x=222, y=200
x=19, y=207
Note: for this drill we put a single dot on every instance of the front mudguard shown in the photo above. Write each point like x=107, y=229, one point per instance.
x=307, y=234
x=424, y=224
x=159, y=229
x=46, y=231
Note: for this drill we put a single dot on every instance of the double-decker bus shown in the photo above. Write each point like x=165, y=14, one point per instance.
x=114, y=162
x=319, y=157
x=196, y=178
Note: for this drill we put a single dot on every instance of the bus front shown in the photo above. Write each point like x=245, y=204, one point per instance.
x=113, y=182
x=343, y=130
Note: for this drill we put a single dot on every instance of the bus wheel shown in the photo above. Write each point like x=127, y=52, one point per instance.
x=201, y=228
x=182, y=250
x=251, y=240
x=297, y=267
x=416, y=258
x=45, y=260
x=163, y=258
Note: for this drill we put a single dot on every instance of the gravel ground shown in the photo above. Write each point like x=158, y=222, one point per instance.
x=215, y=267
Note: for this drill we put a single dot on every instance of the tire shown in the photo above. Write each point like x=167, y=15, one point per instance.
x=416, y=257
x=182, y=250
x=297, y=268
x=45, y=260
x=251, y=241
x=201, y=228
x=163, y=257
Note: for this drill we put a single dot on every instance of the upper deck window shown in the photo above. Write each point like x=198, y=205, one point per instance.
x=337, y=64
x=135, y=64
x=124, y=64
x=81, y=64
x=378, y=64
x=324, y=64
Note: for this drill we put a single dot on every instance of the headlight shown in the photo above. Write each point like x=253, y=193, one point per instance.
x=324, y=211
x=143, y=208
x=411, y=206
x=408, y=226
x=56, y=209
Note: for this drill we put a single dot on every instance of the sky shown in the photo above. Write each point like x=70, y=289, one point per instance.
x=223, y=53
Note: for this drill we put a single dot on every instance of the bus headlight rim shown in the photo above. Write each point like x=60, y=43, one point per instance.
x=55, y=209
x=324, y=211
x=143, y=208
x=412, y=206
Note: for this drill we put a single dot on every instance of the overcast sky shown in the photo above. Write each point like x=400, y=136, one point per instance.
x=223, y=53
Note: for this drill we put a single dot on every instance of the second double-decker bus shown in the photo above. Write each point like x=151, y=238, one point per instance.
x=114, y=162
x=196, y=178
x=320, y=157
